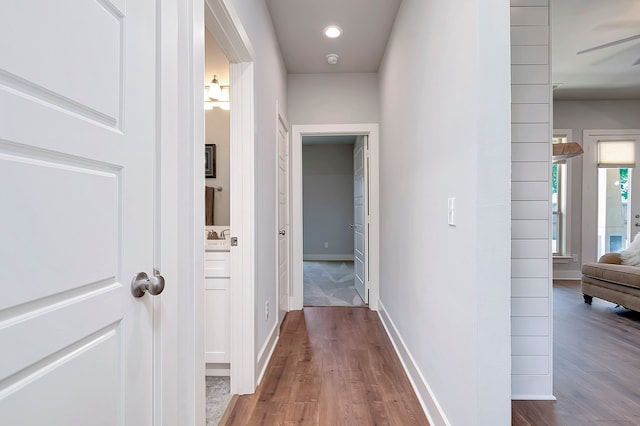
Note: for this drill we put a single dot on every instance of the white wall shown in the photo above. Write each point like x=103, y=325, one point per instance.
x=531, y=287
x=327, y=193
x=270, y=87
x=444, y=102
x=333, y=98
x=580, y=115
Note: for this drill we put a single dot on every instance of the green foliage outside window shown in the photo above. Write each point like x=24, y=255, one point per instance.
x=624, y=183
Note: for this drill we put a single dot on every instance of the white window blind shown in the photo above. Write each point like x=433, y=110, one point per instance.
x=614, y=154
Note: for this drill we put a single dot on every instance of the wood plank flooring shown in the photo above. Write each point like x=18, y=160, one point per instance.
x=332, y=366
x=596, y=365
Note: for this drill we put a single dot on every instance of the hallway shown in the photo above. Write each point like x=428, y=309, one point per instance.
x=332, y=366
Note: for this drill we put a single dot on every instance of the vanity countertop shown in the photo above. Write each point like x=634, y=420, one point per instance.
x=217, y=245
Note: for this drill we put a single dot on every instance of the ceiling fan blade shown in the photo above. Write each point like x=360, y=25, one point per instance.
x=612, y=43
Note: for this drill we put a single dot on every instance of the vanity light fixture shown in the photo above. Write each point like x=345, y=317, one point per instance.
x=332, y=31
x=215, y=92
x=216, y=95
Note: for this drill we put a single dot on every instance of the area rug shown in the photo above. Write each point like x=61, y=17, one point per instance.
x=218, y=397
x=329, y=284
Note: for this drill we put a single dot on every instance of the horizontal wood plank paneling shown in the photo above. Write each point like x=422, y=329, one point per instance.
x=530, y=93
x=529, y=345
x=530, y=113
x=530, y=191
x=529, y=229
x=530, y=194
x=530, y=365
x=529, y=287
x=530, y=74
x=530, y=55
x=530, y=268
x=530, y=151
x=529, y=36
x=530, y=326
x=530, y=249
x=530, y=171
x=521, y=210
x=529, y=16
x=530, y=132
x=530, y=307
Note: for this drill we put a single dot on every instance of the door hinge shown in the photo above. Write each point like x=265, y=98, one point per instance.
x=234, y=241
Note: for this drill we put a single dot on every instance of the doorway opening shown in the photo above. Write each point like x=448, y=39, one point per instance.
x=611, y=190
x=335, y=215
x=333, y=200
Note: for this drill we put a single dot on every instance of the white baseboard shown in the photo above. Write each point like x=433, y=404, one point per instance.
x=567, y=275
x=217, y=370
x=533, y=398
x=423, y=391
x=267, y=350
x=329, y=257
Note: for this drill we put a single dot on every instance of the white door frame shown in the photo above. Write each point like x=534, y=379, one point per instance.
x=182, y=200
x=282, y=118
x=298, y=131
x=590, y=188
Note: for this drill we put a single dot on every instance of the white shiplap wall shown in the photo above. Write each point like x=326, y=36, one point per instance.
x=531, y=295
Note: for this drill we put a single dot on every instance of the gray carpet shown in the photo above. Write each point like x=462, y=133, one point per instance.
x=218, y=397
x=329, y=284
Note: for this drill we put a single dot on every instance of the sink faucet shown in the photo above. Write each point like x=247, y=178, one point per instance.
x=212, y=235
x=223, y=234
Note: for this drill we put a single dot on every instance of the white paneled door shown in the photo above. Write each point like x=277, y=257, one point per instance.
x=77, y=152
x=283, y=219
x=359, y=218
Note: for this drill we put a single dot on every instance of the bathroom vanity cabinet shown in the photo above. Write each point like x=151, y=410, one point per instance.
x=216, y=304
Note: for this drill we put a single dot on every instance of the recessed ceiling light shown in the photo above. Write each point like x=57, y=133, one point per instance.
x=333, y=31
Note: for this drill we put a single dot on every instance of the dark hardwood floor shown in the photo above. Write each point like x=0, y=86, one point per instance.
x=596, y=365
x=332, y=366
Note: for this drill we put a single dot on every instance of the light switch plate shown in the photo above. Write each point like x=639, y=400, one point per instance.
x=451, y=202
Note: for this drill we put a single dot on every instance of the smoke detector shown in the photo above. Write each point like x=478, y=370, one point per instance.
x=332, y=58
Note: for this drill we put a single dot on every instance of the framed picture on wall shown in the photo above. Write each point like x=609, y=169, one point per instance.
x=210, y=160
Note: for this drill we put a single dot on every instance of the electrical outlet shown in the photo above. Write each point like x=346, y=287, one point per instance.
x=326, y=244
x=574, y=257
x=266, y=310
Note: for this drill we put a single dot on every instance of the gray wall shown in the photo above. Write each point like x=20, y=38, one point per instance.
x=327, y=192
x=578, y=116
x=444, y=113
x=333, y=98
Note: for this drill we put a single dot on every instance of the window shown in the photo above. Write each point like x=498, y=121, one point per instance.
x=560, y=200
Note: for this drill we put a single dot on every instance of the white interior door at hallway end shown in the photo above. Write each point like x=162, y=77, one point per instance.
x=359, y=218
x=77, y=141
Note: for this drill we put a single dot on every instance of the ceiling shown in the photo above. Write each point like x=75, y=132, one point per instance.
x=577, y=25
x=606, y=73
x=366, y=26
